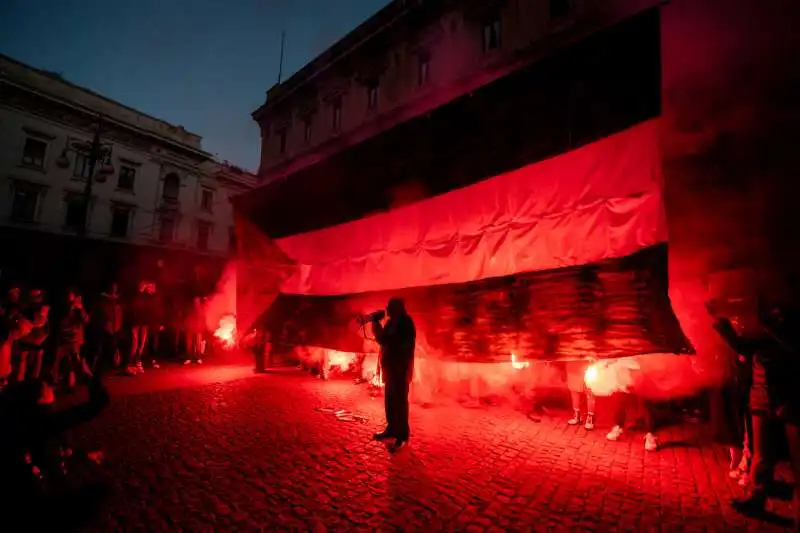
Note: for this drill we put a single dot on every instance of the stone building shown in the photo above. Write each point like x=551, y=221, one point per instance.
x=156, y=190
x=429, y=96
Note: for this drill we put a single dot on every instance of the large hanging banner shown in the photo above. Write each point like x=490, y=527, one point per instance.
x=609, y=309
x=601, y=201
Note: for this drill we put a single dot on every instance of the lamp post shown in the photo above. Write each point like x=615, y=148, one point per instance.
x=95, y=152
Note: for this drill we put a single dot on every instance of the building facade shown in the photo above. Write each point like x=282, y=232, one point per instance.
x=154, y=188
x=425, y=97
x=409, y=59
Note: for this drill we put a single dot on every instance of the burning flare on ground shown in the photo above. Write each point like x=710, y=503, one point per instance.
x=341, y=361
x=226, y=332
x=518, y=365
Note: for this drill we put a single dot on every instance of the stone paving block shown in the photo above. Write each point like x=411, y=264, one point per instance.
x=254, y=453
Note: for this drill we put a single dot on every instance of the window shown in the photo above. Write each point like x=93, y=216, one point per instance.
x=82, y=167
x=166, y=230
x=232, y=239
x=120, y=221
x=126, y=178
x=559, y=8
x=307, y=122
x=373, y=91
x=33, y=153
x=423, y=71
x=337, y=115
x=24, y=203
x=283, y=138
x=172, y=186
x=491, y=34
x=75, y=216
x=207, y=200
x=203, y=233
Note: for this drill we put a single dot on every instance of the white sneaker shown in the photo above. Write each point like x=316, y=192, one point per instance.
x=187, y=362
x=589, y=425
x=575, y=420
x=615, y=433
x=650, y=442
x=199, y=361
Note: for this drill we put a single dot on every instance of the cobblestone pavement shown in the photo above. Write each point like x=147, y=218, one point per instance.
x=254, y=454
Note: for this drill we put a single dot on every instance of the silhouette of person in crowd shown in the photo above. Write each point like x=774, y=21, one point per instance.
x=397, y=341
x=772, y=346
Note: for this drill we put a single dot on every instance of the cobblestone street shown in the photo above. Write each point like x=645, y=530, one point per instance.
x=252, y=453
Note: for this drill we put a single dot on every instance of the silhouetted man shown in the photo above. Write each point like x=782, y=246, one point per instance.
x=397, y=339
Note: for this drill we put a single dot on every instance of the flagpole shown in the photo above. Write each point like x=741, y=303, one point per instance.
x=280, y=65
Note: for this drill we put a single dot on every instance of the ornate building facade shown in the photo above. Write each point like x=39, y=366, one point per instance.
x=427, y=97
x=154, y=188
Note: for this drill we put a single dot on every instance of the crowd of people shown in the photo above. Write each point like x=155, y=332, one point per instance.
x=762, y=399
x=64, y=341
x=53, y=342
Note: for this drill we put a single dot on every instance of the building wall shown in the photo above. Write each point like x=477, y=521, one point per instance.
x=51, y=83
x=730, y=103
x=452, y=40
x=578, y=94
x=57, y=185
x=40, y=105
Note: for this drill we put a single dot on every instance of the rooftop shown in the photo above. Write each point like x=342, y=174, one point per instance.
x=387, y=16
x=54, y=85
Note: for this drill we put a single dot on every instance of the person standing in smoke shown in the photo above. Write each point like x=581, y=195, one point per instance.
x=576, y=384
x=195, y=328
x=107, y=326
x=141, y=318
x=70, y=341
x=9, y=328
x=31, y=346
x=772, y=342
x=262, y=350
x=397, y=341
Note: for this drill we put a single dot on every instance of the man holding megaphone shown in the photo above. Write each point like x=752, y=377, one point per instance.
x=397, y=340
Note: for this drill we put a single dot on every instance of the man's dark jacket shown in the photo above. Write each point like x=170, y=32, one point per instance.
x=397, y=341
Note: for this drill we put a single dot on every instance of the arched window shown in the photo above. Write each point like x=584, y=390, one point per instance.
x=172, y=186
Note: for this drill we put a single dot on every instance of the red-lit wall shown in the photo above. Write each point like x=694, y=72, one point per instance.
x=730, y=88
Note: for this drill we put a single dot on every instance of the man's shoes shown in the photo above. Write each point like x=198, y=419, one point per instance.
x=752, y=506
x=383, y=435
x=615, y=433
x=651, y=442
x=399, y=445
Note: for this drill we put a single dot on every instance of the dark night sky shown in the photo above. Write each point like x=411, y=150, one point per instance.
x=203, y=64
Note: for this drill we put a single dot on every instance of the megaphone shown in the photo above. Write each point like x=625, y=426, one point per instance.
x=375, y=316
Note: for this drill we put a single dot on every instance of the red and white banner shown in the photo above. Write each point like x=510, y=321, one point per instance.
x=597, y=202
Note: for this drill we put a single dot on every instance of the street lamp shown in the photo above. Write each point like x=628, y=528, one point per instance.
x=95, y=152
